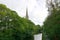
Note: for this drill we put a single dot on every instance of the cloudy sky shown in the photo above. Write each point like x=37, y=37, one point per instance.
x=36, y=9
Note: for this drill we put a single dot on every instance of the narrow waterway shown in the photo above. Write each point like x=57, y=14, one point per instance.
x=38, y=37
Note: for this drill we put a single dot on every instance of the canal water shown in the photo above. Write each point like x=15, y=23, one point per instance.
x=38, y=37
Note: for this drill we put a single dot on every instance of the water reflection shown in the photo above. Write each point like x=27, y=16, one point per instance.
x=38, y=37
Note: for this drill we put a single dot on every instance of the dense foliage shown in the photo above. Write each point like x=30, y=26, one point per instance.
x=13, y=27
x=51, y=27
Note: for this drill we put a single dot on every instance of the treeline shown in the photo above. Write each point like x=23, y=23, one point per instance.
x=14, y=27
x=51, y=27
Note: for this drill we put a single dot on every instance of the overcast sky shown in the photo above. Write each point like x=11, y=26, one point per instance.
x=36, y=9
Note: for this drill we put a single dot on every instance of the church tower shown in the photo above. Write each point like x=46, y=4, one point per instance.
x=27, y=13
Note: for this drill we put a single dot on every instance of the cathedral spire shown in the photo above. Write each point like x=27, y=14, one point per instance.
x=27, y=13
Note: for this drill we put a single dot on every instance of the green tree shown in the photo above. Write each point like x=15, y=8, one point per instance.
x=13, y=27
x=51, y=25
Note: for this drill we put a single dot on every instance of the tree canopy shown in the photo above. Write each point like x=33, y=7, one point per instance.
x=51, y=25
x=14, y=27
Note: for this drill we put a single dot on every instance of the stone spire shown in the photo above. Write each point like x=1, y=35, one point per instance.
x=27, y=13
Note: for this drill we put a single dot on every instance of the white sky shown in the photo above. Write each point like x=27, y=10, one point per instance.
x=36, y=8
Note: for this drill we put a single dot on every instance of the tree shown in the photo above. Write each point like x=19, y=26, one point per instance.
x=51, y=25
x=13, y=27
x=51, y=4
